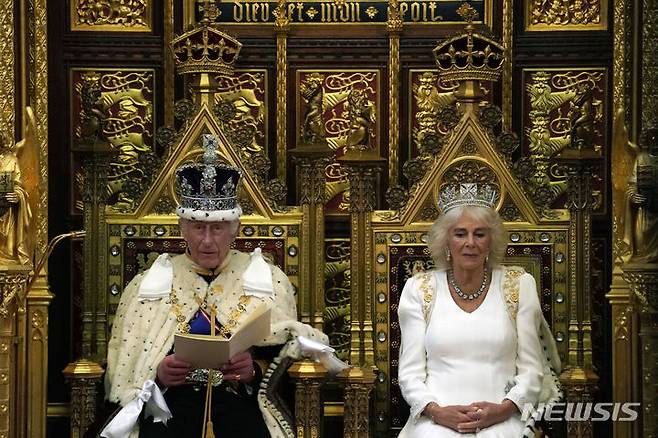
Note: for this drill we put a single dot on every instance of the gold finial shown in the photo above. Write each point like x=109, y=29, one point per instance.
x=210, y=12
x=394, y=22
x=281, y=19
x=468, y=13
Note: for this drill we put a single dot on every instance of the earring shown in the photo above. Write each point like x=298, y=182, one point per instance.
x=448, y=255
x=486, y=260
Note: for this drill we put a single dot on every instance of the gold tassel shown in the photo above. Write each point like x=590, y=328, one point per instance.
x=208, y=431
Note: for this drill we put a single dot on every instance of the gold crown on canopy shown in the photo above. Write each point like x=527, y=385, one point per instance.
x=205, y=49
x=467, y=194
x=471, y=55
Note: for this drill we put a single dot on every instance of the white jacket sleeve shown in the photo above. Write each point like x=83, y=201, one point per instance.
x=412, y=372
x=529, y=369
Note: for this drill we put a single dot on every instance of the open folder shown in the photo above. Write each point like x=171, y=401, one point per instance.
x=205, y=351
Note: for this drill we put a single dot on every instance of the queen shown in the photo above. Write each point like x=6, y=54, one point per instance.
x=471, y=358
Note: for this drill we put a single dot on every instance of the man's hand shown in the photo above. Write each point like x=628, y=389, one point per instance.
x=484, y=414
x=172, y=371
x=239, y=368
x=449, y=416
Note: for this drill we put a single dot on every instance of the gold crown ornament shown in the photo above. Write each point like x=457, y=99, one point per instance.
x=467, y=194
x=205, y=49
x=471, y=55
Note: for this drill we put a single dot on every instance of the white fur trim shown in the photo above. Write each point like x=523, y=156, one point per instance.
x=209, y=216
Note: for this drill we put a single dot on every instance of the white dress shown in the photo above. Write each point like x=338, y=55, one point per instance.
x=459, y=358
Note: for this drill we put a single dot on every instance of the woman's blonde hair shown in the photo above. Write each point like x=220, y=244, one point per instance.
x=440, y=231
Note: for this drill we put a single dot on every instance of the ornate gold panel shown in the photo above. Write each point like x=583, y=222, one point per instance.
x=345, y=106
x=562, y=107
x=111, y=15
x=241, y=108
x=560, y=15
x=427, y=100
x=124, y=99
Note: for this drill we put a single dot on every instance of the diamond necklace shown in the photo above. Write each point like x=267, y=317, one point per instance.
x=462, y=295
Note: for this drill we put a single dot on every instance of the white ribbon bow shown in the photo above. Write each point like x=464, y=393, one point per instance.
x=157, y=281
x=257, y=278
x=126, y=418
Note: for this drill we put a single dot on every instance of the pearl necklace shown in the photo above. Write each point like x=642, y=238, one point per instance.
x=462, y=295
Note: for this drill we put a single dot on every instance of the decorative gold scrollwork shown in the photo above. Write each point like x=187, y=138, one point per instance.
x=430, y=98
x=338, y=288
x=566, y=111
x=123, y=14
x=117, y=107
x=341, y=108
x=561, y=13
x=240, y=108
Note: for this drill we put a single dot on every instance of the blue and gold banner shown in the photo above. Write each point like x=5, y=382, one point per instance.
x=341, y=12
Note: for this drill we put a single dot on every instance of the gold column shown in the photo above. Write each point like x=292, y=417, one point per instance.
x=38, y=300
x=625, y=321
x=84, y=377
x=169, y=68
x=281, y=27
x=625, y=351
x=37, y=98
x=358, y=383
x=308, y=377
x=643, y=278
x=13, y=367
x=39, y=296
x=508, y=33
x=649, y=59
x=579, y=379
x=362, y=169
x=394, y=27
x=311, y=161
x=96, y=161
x=7, y=73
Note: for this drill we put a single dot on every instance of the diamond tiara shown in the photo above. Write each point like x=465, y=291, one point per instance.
x=467, y=194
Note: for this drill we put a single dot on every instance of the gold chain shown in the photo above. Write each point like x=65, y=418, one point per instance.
x=233, y=316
